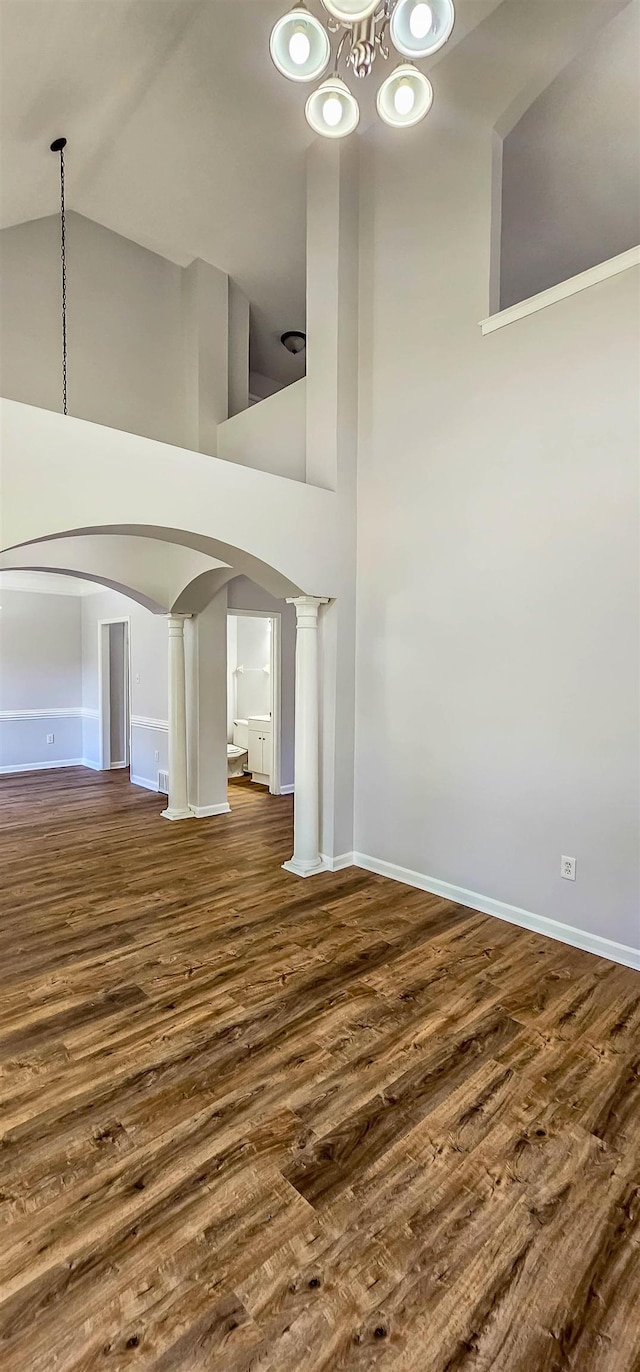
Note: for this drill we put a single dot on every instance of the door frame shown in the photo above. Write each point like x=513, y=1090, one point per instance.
x=275, y=688
x=104, y=693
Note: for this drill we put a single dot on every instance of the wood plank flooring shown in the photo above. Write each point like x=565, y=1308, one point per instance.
x=256, y=1124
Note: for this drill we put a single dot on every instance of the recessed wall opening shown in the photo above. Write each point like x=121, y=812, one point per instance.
x=569, y=196
x=114, y=678
x=253, y=699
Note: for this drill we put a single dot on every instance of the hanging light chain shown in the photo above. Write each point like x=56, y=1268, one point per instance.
x=59, y=145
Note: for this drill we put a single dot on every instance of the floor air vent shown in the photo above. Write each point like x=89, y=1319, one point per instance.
x=163, y=783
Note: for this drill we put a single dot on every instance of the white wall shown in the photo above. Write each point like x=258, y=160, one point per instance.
x=260, y=387
x=270, y=436
x=252, y=687
x=149, y=680
x=206, y=669
x=40, y=673
x=153, y=348
x=571, y=167
x=125, y=327
x=245, y=595
x=497, y=556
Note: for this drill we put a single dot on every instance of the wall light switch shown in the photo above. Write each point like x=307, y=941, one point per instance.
x=50, y=738
x=157, y=755
x=568, y=868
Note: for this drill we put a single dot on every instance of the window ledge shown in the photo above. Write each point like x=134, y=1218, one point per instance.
x=601, y=272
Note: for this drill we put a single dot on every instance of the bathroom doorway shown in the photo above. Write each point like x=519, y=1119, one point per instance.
x=114, y=705
x=254, y=698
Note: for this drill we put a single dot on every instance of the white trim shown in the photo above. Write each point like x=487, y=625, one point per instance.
x=46, y=766
x=298, y=871
x=563, y=290
x=537, y=924
x=58, y=712
x=144, y=782
x=338, y=864
x=205, y=811
x=146, y=722
x=287, y=790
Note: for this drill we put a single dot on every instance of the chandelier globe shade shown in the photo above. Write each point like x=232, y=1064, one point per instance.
x=332, y=110
x=419, y=29
x=364, y=38
x=300, y=46
x=405, y=97
x=351, y=11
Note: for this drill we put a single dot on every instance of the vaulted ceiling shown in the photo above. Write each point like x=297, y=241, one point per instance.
x=182, y=135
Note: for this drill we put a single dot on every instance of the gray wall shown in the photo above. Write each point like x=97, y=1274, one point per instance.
x=149, y=700
x=571, y=167
x=40, y=671
x=498, y=580
x=245, y=595
x=125, y=327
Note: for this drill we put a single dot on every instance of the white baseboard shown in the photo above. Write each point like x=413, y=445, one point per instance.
x=537, y=924
x=205, y=811
x=144, y=781
x=287, y=790
x=43, y=766
x=88, y=762
x=338, y=864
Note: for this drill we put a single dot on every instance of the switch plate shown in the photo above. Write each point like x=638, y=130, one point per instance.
x=568, y=868
x=50, y=738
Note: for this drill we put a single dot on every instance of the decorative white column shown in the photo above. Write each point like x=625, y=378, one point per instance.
x=306, y=858
x=178, y=807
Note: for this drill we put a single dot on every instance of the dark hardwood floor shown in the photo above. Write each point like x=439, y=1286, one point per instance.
x=256, y=1124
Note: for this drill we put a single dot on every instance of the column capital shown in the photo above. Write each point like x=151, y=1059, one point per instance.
x=307, y=607
x=175, y=623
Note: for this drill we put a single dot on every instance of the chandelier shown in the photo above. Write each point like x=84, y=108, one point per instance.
x=364, y=30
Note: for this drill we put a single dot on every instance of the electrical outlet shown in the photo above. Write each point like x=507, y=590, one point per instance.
x=568, y=868
x=50, y=738
x=137, y=678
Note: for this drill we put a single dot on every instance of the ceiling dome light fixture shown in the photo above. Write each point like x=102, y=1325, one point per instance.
x=364, y=30
x=300, y=46
x=294, y=340
x=405, y=97
x=332, y=110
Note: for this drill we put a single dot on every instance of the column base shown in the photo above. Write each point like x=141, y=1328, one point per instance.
x=176, y=814
x=302, y=869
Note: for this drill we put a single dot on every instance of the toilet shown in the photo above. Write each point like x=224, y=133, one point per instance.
x=238, y=751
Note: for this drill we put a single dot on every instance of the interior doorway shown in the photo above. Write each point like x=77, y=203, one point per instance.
x=254, y=714
x=114, y=677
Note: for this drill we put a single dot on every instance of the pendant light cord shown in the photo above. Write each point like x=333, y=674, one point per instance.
x=59, y=145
